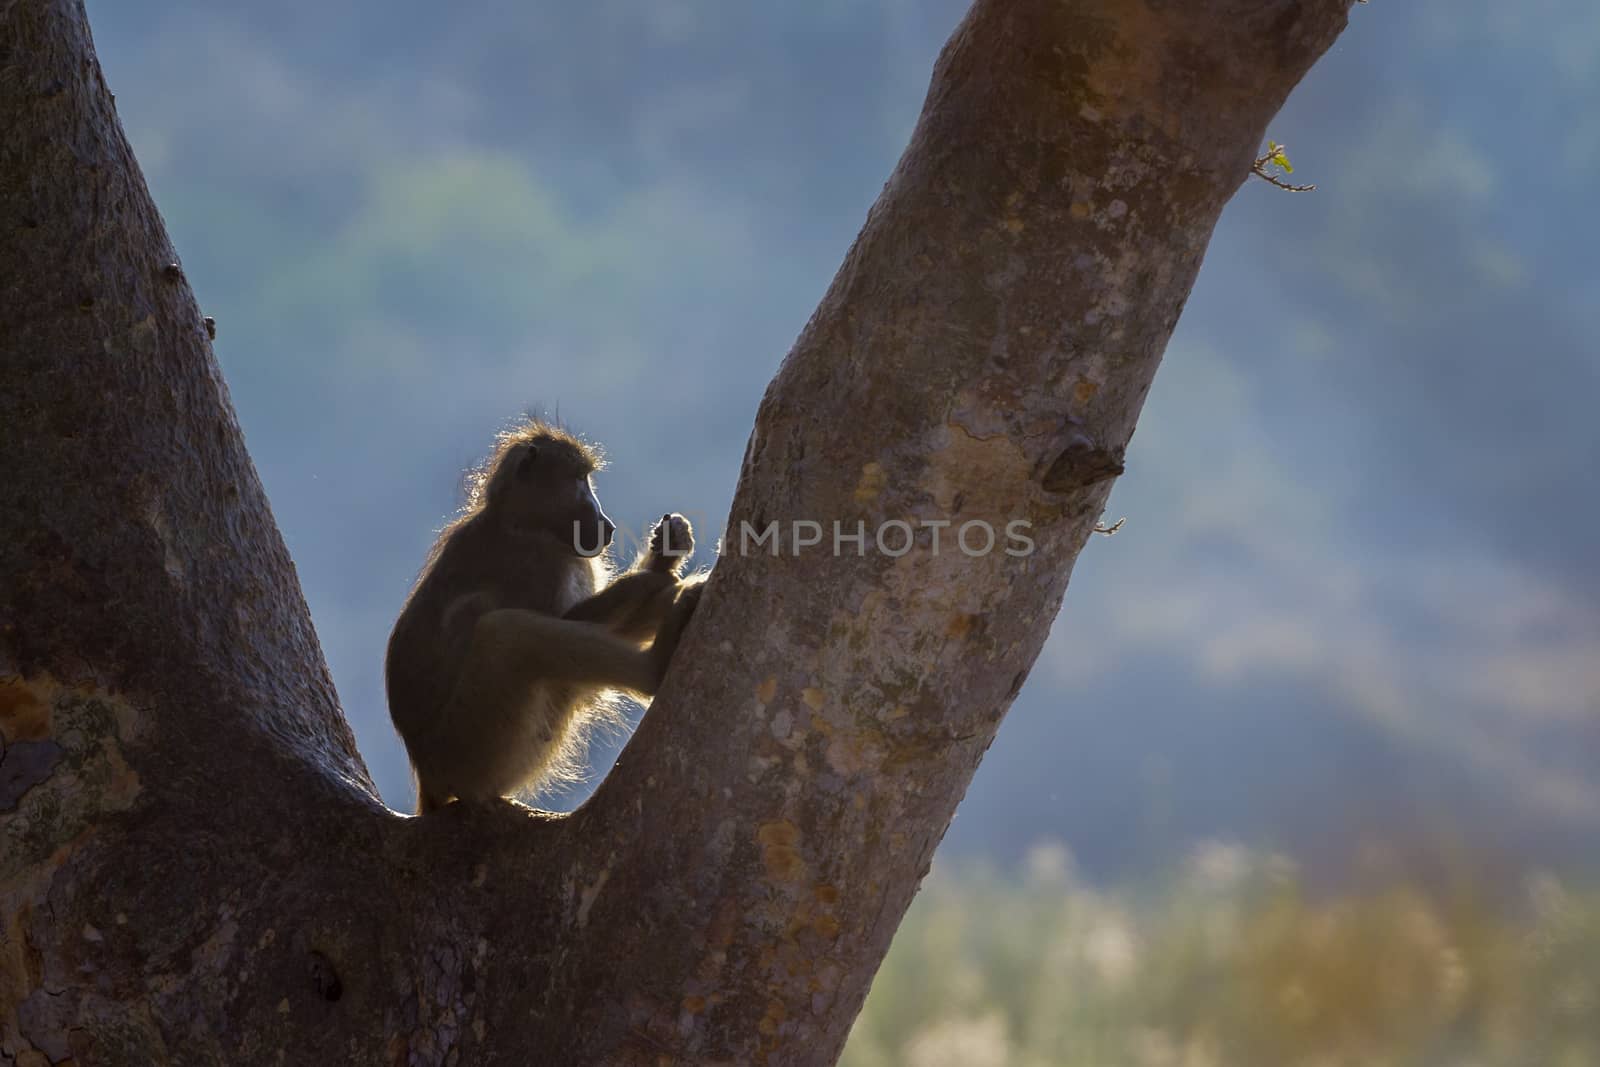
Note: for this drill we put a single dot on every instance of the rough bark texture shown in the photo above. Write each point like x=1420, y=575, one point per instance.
x=194, y=866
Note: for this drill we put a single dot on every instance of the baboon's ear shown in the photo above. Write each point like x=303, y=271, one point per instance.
x=526, y=463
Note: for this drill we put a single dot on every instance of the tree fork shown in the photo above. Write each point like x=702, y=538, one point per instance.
x=194, y=864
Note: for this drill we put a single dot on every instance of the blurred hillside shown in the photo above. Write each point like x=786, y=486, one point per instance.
x=1231, y=964
x=1355, y=609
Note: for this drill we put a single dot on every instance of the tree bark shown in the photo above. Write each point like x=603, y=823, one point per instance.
x=196, y=867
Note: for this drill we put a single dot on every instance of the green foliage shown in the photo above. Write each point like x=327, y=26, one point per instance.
x=1233, y=965
x=475, y=240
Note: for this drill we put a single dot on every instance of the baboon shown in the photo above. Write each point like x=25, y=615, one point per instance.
x=515, y=635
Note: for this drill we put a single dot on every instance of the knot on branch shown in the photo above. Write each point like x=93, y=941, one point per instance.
x=1081, y=464
x=324, y=978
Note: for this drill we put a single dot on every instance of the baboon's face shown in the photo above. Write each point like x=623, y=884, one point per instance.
x=546, y=484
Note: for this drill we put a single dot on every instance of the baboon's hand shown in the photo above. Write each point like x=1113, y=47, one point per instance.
x=666, y=642
x=671, y=544
x=645, y=620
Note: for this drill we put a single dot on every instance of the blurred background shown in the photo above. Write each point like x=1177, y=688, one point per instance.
x=1309, y=771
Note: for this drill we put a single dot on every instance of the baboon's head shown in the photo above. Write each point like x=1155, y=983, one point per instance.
x=539, y=480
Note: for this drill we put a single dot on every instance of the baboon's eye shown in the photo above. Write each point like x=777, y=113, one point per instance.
x=525, y=465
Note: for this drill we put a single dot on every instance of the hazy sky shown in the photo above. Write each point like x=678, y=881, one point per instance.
x=1356, y=597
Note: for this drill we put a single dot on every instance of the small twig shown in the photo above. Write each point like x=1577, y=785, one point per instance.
x=1102, y=528
x=1274, y=157
x=1279, y=182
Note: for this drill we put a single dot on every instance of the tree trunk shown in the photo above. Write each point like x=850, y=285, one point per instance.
x=196, y=867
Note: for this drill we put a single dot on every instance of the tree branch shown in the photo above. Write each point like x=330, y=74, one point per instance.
x=138, y=548
x=981, y=356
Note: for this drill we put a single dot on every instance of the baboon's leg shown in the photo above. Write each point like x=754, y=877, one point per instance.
x=525, y=680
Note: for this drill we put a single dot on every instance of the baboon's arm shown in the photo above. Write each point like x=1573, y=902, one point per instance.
x=618, y=602
x=513, y=649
